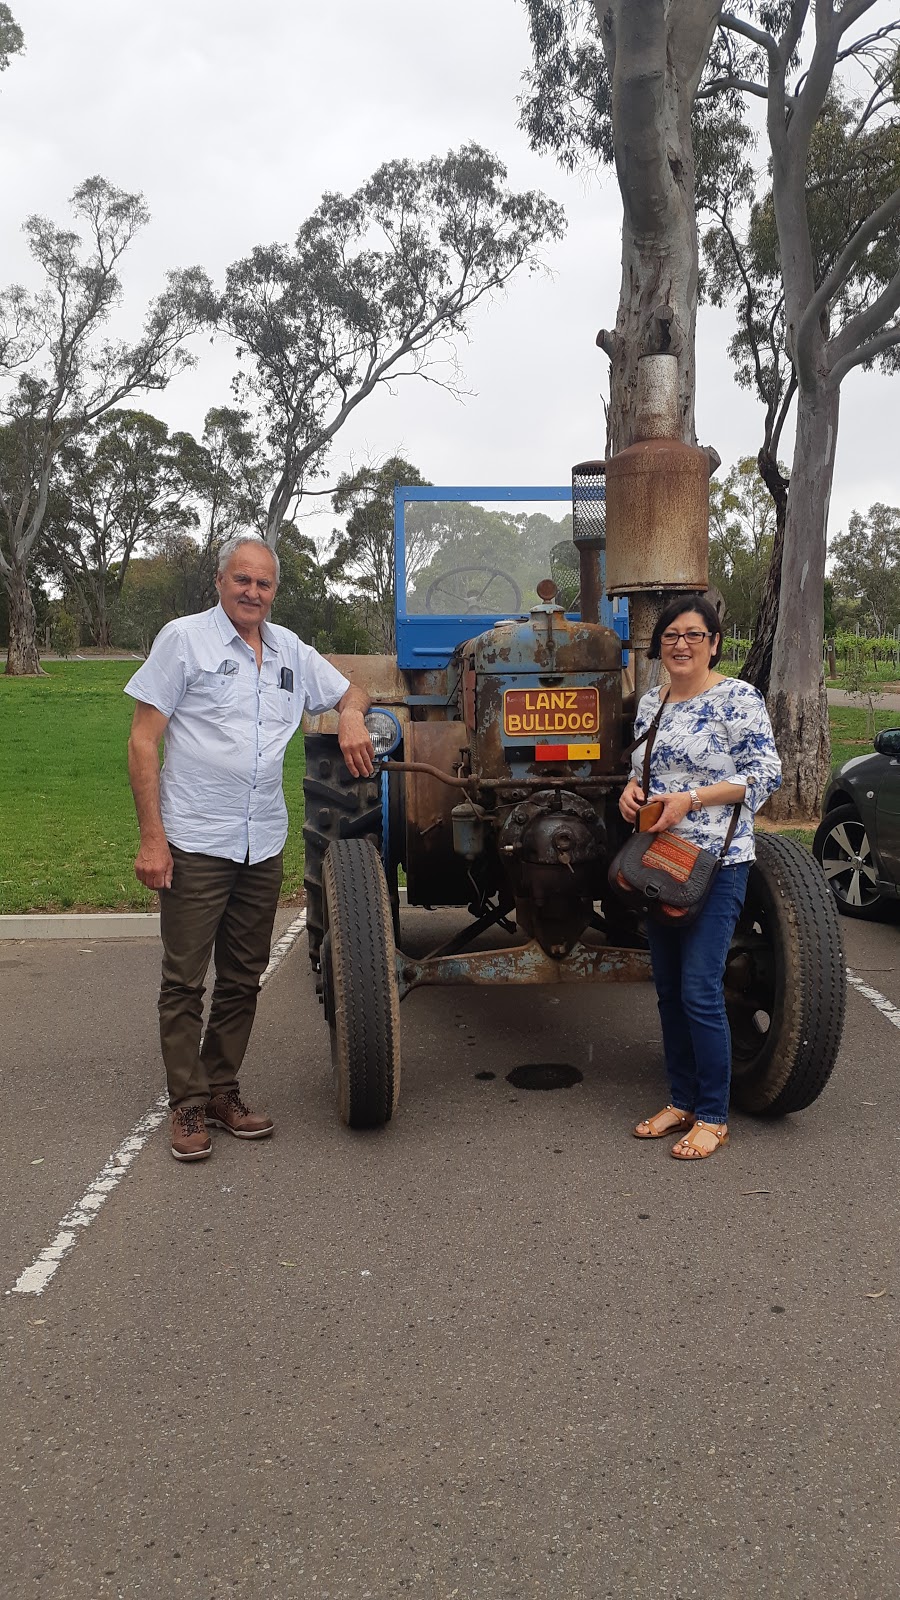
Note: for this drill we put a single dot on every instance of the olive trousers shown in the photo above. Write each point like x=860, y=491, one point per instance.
x=226, y=909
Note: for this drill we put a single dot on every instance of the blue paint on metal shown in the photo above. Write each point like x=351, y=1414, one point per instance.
x=385, y=822
x=429, y=641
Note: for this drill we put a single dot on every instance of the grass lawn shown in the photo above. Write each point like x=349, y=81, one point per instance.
x=68, y=834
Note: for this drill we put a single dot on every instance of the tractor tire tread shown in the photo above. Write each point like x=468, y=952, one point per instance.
x=813, y=988
x=354, y=811
x=366, y=1021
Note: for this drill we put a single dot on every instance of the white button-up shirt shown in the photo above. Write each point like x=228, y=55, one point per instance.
x=221, y=788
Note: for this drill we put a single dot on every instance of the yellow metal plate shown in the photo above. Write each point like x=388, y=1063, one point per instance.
x=564, y=713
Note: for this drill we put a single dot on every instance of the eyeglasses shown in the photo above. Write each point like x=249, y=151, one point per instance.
x=691, y=636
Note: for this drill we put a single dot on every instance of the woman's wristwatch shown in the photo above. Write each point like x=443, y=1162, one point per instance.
x=695, y=799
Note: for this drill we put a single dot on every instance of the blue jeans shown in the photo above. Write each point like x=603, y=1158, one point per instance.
x=688, y=970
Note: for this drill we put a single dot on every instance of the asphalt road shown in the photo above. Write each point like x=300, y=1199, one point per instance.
x=499, y=1351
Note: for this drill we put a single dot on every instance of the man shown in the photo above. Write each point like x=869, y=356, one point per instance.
x=225, y=690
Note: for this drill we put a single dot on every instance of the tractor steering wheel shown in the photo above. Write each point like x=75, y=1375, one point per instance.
x=481, y=591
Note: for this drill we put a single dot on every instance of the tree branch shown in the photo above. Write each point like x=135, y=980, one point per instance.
x=850, y=12
x=850, y=255
x=743, y=85
x=863, y=328
x=758, y=36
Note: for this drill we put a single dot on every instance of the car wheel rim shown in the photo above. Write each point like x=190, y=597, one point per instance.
x=848, y=866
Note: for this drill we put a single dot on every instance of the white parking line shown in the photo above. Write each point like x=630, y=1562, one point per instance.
x=35, y=1278
x=878, y=1000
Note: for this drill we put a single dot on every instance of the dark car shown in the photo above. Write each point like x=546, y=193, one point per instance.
x=858, y=840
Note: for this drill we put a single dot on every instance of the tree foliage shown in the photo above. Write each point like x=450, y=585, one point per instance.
x=119, y=484
x=12, y=39
x=63, y=371
x=741, y=534
x=377, y=286
x=866, y=567
x=361, y=556
x=310, y=602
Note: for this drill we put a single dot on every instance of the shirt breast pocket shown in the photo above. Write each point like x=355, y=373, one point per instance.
x=281, y=704
x=212, y=694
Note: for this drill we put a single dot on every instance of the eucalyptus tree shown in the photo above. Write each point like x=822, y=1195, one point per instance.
x=625, y=80
x=362, y=554
x=227, y=483
x=742, y=520
x=378, y=286
x=12, y=39
x=61, y=371
x=867, y=565
x=118, y=486
x=853, y=168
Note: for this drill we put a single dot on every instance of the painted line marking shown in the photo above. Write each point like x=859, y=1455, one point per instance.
x=880, y=1001
x=43, y=1268
x=38, y=1275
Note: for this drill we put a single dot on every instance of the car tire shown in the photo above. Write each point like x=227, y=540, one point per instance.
x=844, y=852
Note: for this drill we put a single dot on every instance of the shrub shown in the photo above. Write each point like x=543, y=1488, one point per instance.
x=65, y=632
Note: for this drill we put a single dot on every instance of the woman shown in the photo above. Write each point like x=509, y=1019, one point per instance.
x=713, y=748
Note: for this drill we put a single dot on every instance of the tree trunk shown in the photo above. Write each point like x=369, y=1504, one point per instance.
x=757, y=668
x=656, y=317
x=101, y=618
x=797, y=699
x=22, y=660
x=655, y=60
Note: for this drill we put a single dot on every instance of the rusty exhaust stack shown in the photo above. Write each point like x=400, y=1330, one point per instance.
x=657, y=512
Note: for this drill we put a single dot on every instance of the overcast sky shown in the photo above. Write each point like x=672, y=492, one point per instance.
x=233, y=118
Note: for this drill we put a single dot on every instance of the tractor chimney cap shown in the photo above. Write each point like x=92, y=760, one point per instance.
x=547, y=590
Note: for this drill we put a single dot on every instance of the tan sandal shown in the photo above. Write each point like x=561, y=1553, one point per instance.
x=669, y=1120
x=690, y=1147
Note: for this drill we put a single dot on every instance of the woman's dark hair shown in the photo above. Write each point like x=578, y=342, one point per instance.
x=677, y=608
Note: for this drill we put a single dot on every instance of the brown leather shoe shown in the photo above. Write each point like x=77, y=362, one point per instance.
x=229, y=1112
x=190, y=1140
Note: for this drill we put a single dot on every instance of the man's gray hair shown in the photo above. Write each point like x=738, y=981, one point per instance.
x=231, y=545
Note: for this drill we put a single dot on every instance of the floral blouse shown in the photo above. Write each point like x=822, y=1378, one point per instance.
x=721, y=735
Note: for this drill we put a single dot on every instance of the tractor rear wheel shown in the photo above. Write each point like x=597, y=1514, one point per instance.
x=362, y=1002
x=336, y=806
x=785, y=987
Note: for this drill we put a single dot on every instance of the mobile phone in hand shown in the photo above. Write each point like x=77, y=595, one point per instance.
x=649, y=814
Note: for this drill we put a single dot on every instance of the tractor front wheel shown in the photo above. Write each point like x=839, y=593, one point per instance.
x=785, y=986
x=362, y=1002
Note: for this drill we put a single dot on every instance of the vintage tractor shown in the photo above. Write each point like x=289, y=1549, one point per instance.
x=500, y=734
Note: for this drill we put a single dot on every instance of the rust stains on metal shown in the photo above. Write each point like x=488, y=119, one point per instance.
x=525, y=964
x=435, y=875
x=657, y=517
x=378, y=675
x=451, y=779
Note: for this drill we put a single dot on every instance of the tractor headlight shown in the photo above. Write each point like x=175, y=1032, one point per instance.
x=384, y=731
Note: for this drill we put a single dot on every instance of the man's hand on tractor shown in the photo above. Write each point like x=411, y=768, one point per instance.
x=356, y=746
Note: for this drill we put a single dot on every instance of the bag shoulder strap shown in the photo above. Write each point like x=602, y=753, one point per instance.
x=652, y=731
x=732, y=827
x=650, y=737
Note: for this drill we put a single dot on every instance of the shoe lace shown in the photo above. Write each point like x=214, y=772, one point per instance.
x=233, y=1098
x=192, y=1119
